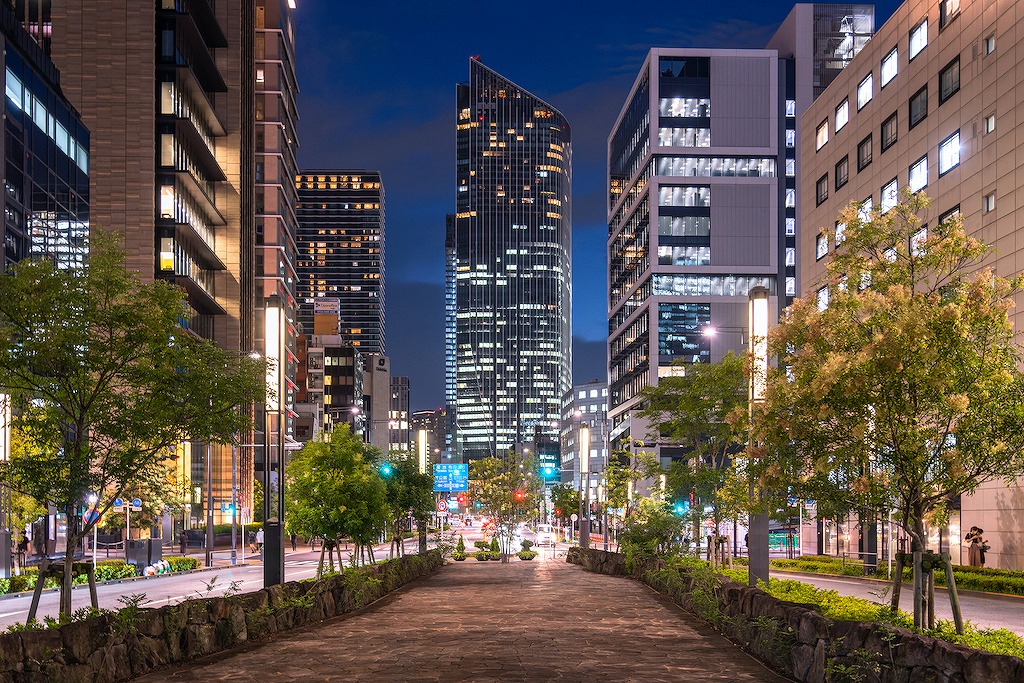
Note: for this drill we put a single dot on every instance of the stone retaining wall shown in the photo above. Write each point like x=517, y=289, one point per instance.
x=799, y=641
x=111, y=649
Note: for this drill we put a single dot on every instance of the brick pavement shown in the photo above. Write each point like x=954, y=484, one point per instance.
x=484, y=621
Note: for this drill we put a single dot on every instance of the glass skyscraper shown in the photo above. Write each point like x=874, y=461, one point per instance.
x=510, y=251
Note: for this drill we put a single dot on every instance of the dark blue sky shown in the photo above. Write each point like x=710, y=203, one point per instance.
x=377, y=83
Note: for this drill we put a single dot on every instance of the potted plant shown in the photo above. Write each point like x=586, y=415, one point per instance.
x=526, y=554
x=482, y=555
x=527, y=544
x=495, y=549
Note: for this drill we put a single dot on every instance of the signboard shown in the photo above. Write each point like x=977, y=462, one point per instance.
x=451, y=477
x=136, y=505
x=119, y=505
x=326, y=305
x=442, y=505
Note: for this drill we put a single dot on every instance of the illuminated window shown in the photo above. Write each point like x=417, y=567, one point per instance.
x=890, y=195
x=821, y=247
x=949, y=153
x=865, y=91
x=889, y=67
x=919, y=174
x=842, y=114
x=821, y=135
x=948, y=9
x=918, y=38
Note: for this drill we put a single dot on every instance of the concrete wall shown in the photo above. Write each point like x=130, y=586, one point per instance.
x=101, y=649
x=801, y=643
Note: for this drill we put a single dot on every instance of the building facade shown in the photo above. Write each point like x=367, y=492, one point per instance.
x=398, y=419
x=928, y=105
x=511, y=264
x=584, y=404
x=432, y=424
x=341, y=242
x=702, y=197
x=167, y=90
x=46, y=166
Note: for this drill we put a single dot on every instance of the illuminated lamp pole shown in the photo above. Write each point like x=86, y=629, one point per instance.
x=758, y=315
x=273, y=506
x=584, y=450
x=421, y=443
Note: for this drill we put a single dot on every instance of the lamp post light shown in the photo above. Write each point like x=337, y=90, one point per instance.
x=584, y=450
x=758, y=313
x=92, y=499
x=273, y=510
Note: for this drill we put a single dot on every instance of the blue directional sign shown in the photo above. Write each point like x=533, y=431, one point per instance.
x=451, y=477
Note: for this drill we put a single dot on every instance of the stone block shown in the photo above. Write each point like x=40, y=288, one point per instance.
x=68, y=673
x=81, y=638
x=848, y=636
x=114, y=663
x=200, y=639
x=911, y=651
x=151, y=622
x=811, y=627
x=148, y=653
x=990, y=668
x=41, y=646
x=11, y=652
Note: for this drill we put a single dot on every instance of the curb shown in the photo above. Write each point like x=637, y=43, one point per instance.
x=129, y=579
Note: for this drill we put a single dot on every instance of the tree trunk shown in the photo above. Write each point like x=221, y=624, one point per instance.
x=917, y=547
x=320, y=565
x=897, y=581
x=69, y=556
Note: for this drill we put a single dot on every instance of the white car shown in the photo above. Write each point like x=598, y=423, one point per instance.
x=545, y=534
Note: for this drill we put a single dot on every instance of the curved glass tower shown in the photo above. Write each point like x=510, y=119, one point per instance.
x=510, y=244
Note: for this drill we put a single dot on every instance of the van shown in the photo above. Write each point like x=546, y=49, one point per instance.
x=545, y=534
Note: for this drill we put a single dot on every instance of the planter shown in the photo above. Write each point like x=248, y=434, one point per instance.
x=526, y=555
x=459, y=557
x=494, y=557
x=482, y=556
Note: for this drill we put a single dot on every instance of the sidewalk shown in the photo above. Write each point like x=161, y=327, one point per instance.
x=486, y=621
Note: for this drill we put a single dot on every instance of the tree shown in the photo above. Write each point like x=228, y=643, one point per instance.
x=705, y=411
x=904, y=391
x=105, y=384
x=508, y=492
x=409, y=492
x=566, y=500
x=334, y=491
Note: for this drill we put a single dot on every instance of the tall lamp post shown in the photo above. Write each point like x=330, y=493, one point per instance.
x=758, y=312
x=584, y=449
x=273, y=505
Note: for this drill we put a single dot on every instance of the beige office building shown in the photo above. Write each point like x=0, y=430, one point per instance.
x=932, y=103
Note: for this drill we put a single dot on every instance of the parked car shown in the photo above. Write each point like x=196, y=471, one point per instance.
x=545, y=534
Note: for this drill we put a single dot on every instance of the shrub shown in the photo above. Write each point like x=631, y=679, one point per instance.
x=526, y=554
x=460, y=547
x=526, y=544
x=495, y=548
x=482, y=555
x=182, y=564
x=493, y=556
x=483, y=545
x=458, y=557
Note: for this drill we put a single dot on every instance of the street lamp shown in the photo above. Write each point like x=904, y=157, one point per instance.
x=584, y=449
x=757, y=312
x=273, y=515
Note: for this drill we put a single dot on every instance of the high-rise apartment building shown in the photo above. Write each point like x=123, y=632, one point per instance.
x=511, y=251
x=167, y=90
x=341, y=251
x=703, y=197
x=930, y=104
x=46, y=157
x=400, y=433
x=275, y=200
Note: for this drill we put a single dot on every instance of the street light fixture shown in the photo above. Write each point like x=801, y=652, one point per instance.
x=758, y=312
x=584, y=521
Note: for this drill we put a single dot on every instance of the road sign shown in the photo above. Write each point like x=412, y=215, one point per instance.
x=449, y=477
x=575, y=517
x=792, y=500
x=119, y=505
x=442, y=505
x=810, y=502
x=92, y=516
x=136, y=505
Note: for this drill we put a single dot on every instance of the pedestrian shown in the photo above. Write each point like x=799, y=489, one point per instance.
x=22, y=550
x=983, y=546
x=183, y=542
x=295, y=541
x=973, y=542
x=252, y=541
x=259, y=540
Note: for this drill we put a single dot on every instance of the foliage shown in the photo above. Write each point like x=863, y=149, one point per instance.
x=104, y=384
x=625, y=471
x=482, y=555
x=905, y=391
x=458, y=556
x=182, y=564
x=408, y=492
x=333, y=491
x=565, y=501
x=494, y=545
x=460, y=547
x=526, y=554
x=705, y=411
x=509, y=492
x=654, y=530
x=526, y=544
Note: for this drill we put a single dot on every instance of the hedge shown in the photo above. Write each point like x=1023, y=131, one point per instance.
x=106, y=570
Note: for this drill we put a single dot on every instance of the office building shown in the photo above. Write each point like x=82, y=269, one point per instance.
x=432, y=424
x=930, y=104
x=341, y=251
x=702, y=198
x=46, y=157
x=511, y=251
x=584, y=404
x=400, y=433
x=376, y=403
x=334, y=379
x=167, y=91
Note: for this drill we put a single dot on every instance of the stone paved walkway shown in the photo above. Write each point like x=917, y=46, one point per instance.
x=484, y=621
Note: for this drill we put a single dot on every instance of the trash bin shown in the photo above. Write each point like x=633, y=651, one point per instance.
x=143, y=552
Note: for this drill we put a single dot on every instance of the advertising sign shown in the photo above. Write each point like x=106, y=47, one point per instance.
x=451, y=477
x=326, y=305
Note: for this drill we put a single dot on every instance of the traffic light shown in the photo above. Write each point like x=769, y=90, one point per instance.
x=386, y=469
x=548, y=472
x=476, y=504
x=462, y=499
x=680, y=508
x=558, y=513
x=520, y=495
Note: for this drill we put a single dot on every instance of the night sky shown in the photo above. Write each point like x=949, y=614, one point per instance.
x=377, y=91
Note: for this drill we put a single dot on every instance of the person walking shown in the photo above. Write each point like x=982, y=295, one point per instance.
x=973, y=540
x=295, y=541
x=259, y=540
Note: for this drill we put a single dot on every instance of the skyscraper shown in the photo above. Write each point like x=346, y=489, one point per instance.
x=702, y=202
x=511, y=244
x=341, y=251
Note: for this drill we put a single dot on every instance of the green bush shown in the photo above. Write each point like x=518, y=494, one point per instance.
x=482, y=555
x=526, y=554
x=460, y=547
x=458, y=557
x=182, y=564
x=526, y=544
x=483, y=545
x=495, y=548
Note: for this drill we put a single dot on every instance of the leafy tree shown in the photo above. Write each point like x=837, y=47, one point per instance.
x=705, y=411
x=408, y=491
x=653, y=530
x=623, y=475
x=508, y=492
x=905, y=391
x=566, y=500
x=105, y=384
x=334, y=491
